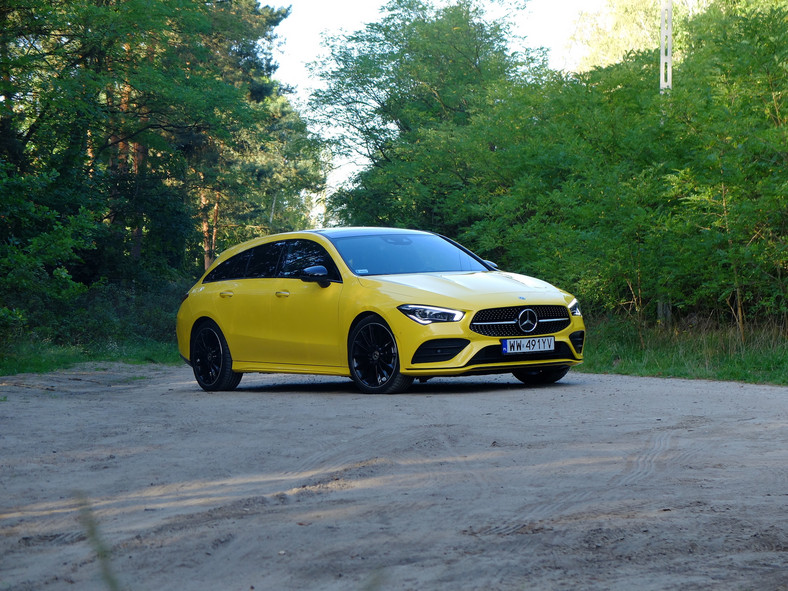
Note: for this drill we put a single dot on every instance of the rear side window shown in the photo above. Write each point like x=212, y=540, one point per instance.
x=232, y=268
x=302, y=254
x=257, y=262
x=265, y=260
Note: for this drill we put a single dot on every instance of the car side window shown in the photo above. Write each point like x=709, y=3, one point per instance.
x=265, y=260
x=302, y=254
x=232, y=268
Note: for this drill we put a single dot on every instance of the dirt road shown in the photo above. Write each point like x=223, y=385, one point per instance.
x=598, y=482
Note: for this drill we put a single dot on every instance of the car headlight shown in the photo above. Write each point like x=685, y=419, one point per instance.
x=429, y=314
x=574, y=308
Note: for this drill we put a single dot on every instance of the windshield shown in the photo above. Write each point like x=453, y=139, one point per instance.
x=388, y=254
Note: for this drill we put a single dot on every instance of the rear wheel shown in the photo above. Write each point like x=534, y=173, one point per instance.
x=540, y=376
x=211, y=360
x=373, y=358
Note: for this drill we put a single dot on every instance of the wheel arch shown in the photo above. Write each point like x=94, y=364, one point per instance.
x=211, y=361
x=385, y=367
x=361, y=316
x=198, y=322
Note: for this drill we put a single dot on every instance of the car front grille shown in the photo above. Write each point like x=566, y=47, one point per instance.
x=503, y=322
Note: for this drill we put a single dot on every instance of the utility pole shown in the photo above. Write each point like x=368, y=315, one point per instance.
x=666, y=47
x=665, y=84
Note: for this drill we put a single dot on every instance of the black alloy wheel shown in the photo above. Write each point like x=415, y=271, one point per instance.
x=211, y=360
x=541, y=376
x=373, y=358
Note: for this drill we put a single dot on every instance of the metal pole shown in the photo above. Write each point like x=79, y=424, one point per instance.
x=666, y=47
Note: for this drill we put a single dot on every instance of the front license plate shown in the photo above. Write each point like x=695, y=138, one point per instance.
x=512, y=346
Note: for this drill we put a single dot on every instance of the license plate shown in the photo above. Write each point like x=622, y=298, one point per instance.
x=512, y=346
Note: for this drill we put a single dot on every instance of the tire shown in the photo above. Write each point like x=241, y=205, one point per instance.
x=373, y=358
x=540, y=376
x=211, y=360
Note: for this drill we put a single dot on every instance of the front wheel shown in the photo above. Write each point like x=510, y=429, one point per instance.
x=373, y=358
x=211, y=360
x=540, y=376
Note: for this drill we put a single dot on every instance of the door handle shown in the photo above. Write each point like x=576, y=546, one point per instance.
x=225, y=294
x=282, y=294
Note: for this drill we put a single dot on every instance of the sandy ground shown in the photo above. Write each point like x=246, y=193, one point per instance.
x=598, y=482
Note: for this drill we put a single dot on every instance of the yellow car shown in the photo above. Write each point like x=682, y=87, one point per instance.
x=380, y=305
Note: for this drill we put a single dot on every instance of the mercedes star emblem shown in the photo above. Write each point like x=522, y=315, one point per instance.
x=527, y=320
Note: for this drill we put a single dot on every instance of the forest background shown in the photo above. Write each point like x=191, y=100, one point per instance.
x=139, y=138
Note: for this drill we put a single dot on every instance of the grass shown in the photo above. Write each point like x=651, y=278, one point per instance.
x=87, y=328
x=103, y=552
x=711, y=353
x=28, y=356
x=612, y=346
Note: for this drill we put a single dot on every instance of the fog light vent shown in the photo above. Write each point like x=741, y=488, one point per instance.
x=577, y=339
x=439, y=350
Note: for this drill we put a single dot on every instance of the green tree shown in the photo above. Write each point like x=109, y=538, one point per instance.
x=733, y=179
x=641, y=203
x=398, y=88
x=117, y=118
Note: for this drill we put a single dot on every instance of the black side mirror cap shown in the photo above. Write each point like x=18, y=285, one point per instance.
x=316, y=274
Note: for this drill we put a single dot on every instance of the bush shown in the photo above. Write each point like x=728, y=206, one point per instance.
x=12, y=325
x=109, y=313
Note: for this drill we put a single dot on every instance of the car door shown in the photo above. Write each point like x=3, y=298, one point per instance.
x=250, y=306
x=305, y=326
x=218, y=290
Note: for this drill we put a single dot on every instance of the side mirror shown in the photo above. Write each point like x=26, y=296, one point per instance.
x=317, y=274
x=493, y=265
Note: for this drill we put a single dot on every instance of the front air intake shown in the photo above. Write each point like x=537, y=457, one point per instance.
x=577, y=339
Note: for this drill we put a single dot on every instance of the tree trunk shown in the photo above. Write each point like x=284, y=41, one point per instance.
x=737, y=307
x=206, y=228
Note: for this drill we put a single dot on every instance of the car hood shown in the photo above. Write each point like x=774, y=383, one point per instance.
x=490, y=288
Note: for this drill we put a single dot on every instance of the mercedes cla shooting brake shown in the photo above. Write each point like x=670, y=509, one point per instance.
x=380, y=305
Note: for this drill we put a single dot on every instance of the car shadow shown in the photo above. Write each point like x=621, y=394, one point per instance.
x=289, y=384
